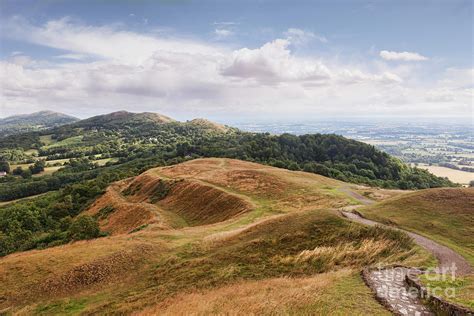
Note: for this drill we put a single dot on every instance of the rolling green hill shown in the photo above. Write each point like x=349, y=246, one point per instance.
x=33, y=122
x=131, y=143
x=128, y=136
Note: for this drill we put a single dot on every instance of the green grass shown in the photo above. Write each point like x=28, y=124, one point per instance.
x=47, y=139
x=348, y=296
x=105, y=212
x=47, y=171
x=261, y=253
x=68, y=142
x=459, y=291
x=25, y=198
x=444, y=215
x=65, y=307
x=31, y=152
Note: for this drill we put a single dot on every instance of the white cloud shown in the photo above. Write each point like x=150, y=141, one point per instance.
x=299, y=36
x=105, y=41
x=402, y=56
x=227, y=23
x=274, y=63
x=223, y=33
x=270, y=63
x=72, y=56
x=120, y=69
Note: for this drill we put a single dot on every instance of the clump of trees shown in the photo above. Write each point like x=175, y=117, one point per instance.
x=4, y=166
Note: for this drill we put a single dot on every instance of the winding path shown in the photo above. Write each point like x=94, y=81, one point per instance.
x=389, y=284
x=446, y=256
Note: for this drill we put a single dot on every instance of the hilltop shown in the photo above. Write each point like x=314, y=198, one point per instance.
x=33, y=122
x=208, y=125
x=117, y=119
x=204, y=231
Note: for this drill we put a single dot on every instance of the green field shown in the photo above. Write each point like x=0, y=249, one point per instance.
x=47, y=139
x=68, y=142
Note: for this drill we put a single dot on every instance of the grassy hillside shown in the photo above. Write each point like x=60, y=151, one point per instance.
x=33, y=122
x=278, y=247
x=129, y=136
x=445, y=215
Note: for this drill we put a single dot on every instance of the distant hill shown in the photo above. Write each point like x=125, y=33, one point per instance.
x=118, y=119
x=127, y=136
x=33, y=122
x=208, y=124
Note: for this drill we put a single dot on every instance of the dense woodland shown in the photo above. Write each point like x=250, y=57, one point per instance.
x=142, y=141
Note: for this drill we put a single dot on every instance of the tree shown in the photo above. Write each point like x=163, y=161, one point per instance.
x=26, y=174
x=84, y=227
x=17, y=171
x=4, y=166
x=37, y=167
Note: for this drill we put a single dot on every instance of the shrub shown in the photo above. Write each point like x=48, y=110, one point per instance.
x=84, y=227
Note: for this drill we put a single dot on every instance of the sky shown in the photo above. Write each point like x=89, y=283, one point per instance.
x=230, y=60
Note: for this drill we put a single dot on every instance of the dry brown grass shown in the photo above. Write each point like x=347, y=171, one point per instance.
x=30, y=276
x=346, y=254
x=241, y=176
x=99, y=271
x=333, y=293
x=249, y=298
x=201, y=204
x=378, y=194
x=126, y=215
x=186, y=202
x=247, y=216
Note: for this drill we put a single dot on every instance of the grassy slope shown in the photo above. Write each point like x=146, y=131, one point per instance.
x=322, y=294
x=445, y=215
x=289, y=238
x=460, y=290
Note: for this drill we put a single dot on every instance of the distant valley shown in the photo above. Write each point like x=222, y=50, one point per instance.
x=442, y=148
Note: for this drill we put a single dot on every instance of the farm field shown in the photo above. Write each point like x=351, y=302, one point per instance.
x=458, y=176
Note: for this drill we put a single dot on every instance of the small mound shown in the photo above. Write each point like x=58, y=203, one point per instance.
x=118, y=216
x=201, y=204
x=170, y=203
x=197, y=203
x=99, y=271
x=242, y=176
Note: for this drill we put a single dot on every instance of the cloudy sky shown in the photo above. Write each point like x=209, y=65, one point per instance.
x=238, y=59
